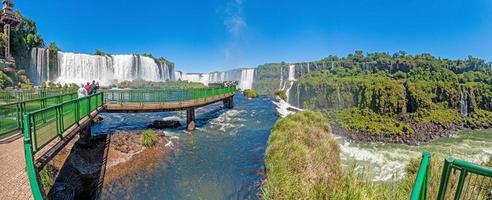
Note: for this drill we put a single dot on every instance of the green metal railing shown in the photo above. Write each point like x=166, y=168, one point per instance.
x=45, y=125
x=165, y=95
x=459, y=180
x=11, y=96
x=464, y=180
x=11, y=113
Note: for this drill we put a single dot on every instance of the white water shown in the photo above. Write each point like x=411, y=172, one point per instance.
x=463, y=104
x=291, y=79
x=283, y=108
x=81, y=68
x=244, y=77
x=38, y=66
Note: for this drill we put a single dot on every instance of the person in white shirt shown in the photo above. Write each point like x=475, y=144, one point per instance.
x=81, y=91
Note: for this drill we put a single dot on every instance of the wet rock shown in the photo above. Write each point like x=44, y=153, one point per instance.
x=161, y=124
x=97, y=119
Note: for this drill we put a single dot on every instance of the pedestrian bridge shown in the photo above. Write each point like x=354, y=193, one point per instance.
x=60, y=122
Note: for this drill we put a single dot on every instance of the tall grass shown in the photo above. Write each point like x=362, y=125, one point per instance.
x=148, y=138
x=302, y=158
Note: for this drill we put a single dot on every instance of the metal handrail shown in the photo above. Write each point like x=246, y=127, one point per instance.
x=419, y=191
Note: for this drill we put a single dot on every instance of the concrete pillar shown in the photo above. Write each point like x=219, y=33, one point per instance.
x=229, y=102
x=85, y=135
x=190, y=119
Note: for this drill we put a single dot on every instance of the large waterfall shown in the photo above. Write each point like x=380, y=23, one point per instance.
x=81, y=68
x=39, y=65
x=244, y=77
x=291, y=79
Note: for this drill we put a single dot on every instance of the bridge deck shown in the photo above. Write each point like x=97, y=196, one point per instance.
x=168, y=106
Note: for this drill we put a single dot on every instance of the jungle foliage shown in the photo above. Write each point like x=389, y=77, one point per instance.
x=404, y=88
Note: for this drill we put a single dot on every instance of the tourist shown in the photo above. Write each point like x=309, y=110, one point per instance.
x=81, y=91
x=92, y=88
x=87, y=88
x=97, y=86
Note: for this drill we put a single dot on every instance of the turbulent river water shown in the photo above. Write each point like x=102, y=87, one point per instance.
x=223, y=157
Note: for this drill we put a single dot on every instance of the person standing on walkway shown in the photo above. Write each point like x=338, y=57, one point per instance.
x=81, y=91
x=93, y=88
x=87, y=88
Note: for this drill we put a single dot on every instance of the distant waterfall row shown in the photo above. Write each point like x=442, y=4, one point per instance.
x=79, y=68
x=244, y=77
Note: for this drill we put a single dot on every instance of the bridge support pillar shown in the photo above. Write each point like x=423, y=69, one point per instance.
x=229, y=102
x=190, y=119
x=85, y=135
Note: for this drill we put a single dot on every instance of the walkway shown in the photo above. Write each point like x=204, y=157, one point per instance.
x=13, y=175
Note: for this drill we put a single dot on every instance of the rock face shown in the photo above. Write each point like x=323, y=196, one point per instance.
x=423, y=132
x=161, y=124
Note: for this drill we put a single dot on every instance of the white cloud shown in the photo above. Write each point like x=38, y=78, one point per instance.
x=234, y=19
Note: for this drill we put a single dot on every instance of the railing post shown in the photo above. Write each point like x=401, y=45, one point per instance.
x=59, y=120
x=419, y=190
x=446, y=169
x=31, y=169
x=89, y=106
x=77, y=112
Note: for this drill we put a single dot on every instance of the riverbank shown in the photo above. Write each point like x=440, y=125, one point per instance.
x=83, y=170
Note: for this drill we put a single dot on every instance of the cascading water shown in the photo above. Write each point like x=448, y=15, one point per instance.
x=247, y=76
x=339, y=98
x=291, y=79
x=39, y=65
x=281, y=80
x=81, y=68
x=463, y=104
x=244, y=77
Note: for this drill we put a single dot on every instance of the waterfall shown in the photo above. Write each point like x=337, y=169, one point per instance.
x=463, y=104
x=80, y=68
x=244, y=77
x=340, y=102
x=281, y=79
x=247, y=76
x=39, y=65
x=291, y=79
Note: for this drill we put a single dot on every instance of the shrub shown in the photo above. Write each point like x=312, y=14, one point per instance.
x=250, y=93
x=47, y=176
x=302, y=158
x=368, y=121
x=148, y=138
x=438, y=116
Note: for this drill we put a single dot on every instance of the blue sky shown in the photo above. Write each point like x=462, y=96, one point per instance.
x=202, y=36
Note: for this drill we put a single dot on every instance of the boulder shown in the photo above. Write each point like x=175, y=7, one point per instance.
x=160, y=124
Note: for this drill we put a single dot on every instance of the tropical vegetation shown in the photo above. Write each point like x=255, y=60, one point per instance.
x=384, y=93
x=249, y=93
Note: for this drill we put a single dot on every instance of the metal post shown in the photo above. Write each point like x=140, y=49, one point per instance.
x=190, y=119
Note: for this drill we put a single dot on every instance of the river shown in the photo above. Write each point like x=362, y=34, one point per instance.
x=224, y=155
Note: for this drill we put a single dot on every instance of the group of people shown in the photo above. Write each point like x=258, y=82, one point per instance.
x=88, y=89
x=229, y=83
